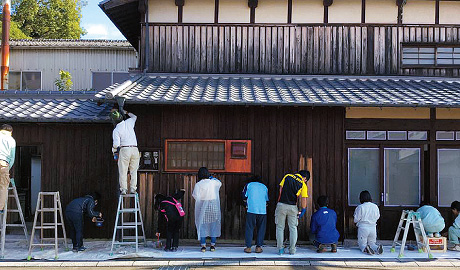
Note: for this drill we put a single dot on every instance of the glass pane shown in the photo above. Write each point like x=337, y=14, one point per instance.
x=417, y=135
x=410, y=50
x=448, y=176
x=426, y=50
x=119, y=77
x=14, y=81
x=376, y=135
x=31, y=80
x=397, y=135
x=101, y=80
x=355, y=135
x=363, y=174
x=410, y=61
x=445, y=50
x=426, y=61
x=445, y=135
x=402, y=176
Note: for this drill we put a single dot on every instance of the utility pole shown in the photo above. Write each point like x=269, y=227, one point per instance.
x=5, y=44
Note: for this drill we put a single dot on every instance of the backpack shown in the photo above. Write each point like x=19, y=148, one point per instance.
x=178, y=206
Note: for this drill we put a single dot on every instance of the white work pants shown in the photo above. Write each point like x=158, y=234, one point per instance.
x=367, y=235
x=128, y=158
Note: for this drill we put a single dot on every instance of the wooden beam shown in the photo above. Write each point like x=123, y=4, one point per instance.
x=363, y=11
x=252, y=4
x=326, y=4
x=216, y=11
x=289, y=16
x=180, y=9
x=436, y=16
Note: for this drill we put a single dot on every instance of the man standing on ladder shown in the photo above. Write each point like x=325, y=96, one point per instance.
x=7, y=154
x=125, y=143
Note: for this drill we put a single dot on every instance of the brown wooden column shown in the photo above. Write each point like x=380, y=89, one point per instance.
x=216, y=11
x=326, y=4
x=289, y=15
x=252, y=4
x=433, y=199
x=400, y=4
x=363, y=11
x=436, y=15
x=180, y=9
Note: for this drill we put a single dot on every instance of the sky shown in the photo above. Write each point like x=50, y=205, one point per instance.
x=97, y=24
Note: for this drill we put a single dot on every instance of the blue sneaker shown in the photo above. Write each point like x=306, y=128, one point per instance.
x=281, y=251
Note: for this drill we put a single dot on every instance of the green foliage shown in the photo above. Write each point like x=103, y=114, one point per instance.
x=15, y=32
x=48, y=19
x=64, y=83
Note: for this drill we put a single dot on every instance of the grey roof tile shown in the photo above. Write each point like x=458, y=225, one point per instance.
x=70, y=43
x=242, y=89
x=49, y=106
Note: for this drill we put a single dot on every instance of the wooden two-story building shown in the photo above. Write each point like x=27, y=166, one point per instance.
x=365, y=92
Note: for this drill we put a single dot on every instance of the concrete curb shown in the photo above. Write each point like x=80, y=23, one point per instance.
x=335, y=263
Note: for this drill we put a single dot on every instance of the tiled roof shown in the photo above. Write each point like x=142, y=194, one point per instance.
x=288, y=90
x=70, y=43
x=51, y=106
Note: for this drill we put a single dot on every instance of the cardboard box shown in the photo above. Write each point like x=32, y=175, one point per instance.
x=437, y=244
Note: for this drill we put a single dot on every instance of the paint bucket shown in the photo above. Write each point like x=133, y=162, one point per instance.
x=99, y=222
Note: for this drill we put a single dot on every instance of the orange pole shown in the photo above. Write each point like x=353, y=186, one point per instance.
x=5, y=44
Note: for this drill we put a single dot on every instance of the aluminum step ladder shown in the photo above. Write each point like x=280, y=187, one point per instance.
x=409, y=217
x=124, y=226
x=41, y=209
x=12, y=193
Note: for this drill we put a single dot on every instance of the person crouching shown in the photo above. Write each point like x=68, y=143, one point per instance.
x=323, y=224
x=170, y=218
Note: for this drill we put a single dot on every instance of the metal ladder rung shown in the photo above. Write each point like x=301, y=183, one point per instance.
x=125, y=243
x=13, y=211
x=45, y=244
x=132, y=237
x=132, y=223
x=128, y=210
x=47, y=210
x=15, y=225
x=125, y=227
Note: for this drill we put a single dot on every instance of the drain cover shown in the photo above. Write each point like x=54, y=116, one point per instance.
x=178, y=267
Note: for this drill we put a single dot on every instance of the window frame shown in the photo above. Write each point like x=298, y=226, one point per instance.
x=348, y=171
x=20, y=76
x=190, y=140
x=111, y=76
x=428, y=45
x=382, y=145
x=442, y=147
x=419, y=177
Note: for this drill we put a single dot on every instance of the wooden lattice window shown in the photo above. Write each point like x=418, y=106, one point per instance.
x=191, y=155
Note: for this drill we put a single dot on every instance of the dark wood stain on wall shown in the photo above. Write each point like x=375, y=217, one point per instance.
x=76, y=159
x=292, y=49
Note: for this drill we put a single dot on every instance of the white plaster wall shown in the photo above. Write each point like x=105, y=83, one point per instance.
x=272, y=11
x=449, y=12
x=345, y=11
x=307, y=11
x=198, y=11
x=381, y=11
x=234, y=11
x=162, y=11
x=419, y=12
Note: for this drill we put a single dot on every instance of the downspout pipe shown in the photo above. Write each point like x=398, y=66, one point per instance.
x=5, y=67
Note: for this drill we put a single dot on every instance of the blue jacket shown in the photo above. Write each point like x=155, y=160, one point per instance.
x=83, y=205
x=323, y=224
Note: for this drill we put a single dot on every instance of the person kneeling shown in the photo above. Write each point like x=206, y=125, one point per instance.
x=323, y=224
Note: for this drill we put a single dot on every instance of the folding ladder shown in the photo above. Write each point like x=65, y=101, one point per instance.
x=410, y=217
x=7, y=210
x=128, y=225
x=56, y=209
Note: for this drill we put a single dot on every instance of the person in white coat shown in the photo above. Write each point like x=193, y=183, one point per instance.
x=365, y=217
x=207, y=208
